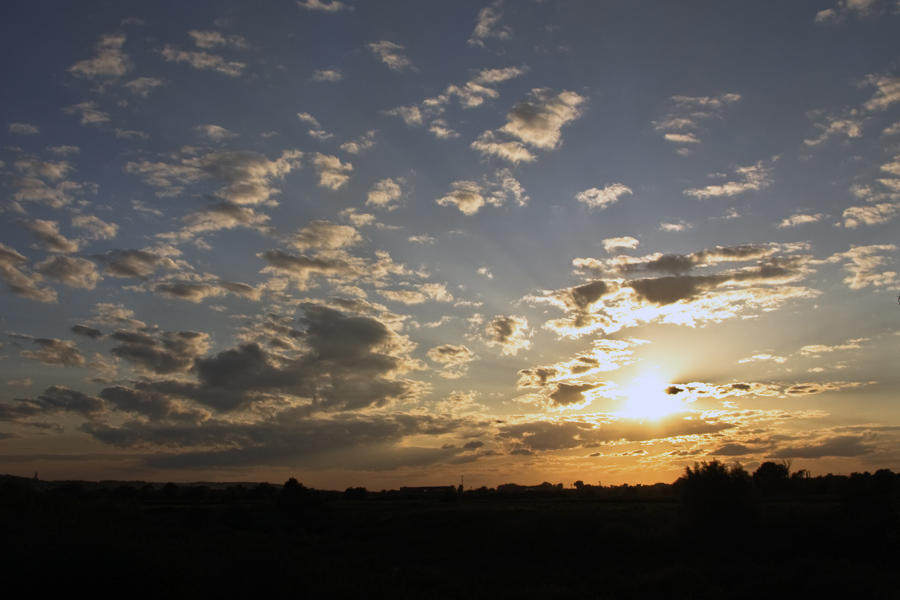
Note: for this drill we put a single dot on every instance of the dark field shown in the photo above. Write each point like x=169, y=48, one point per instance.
x=837, y=540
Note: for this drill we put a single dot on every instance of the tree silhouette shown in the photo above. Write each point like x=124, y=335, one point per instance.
x=715, y=498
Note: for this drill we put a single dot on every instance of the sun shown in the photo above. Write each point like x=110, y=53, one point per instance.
x=646, y=398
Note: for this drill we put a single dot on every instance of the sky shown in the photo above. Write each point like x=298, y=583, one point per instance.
x=405, y=242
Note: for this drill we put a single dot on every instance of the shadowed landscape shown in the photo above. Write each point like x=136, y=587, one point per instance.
x=717, y=532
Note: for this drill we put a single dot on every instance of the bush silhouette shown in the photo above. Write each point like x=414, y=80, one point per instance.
x=716, y=498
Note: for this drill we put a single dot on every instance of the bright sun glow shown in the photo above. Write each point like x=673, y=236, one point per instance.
x=646, y=398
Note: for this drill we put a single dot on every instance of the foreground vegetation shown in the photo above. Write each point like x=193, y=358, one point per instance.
x=718, y=532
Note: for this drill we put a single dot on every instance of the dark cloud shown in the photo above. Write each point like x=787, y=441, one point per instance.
x=561, y=435
x=55, y=352
x=154, y=405
x=159, y=352
x=673, y=390
x=567, y=394
x=842, y=445
x=135, y=263
x=55, y=399
x=70, y=270
x=88, y=332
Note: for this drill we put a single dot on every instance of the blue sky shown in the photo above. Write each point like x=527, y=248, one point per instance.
x=398, y=242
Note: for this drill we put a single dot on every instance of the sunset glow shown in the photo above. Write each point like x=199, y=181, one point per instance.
x=398, y=242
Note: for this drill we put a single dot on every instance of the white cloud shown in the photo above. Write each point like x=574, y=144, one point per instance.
x=538, y=121
x=752, y=178
x=800, y=219
x=98, y=229
x=384, y=192
x=486, y=26
x=332, y=172
x=109, y=60
x=887, y=91
x=89, y=111
x=212, y=39
x=870, y=214
x=834, y=126
x=203, y=60
x=682, y=123
x=465, y=195
x=611, y=244
x=512, y=151
x=215, y=133
x=23, y=128
x=247, y=175
x=142, y=86
x=331, y=75
x=391, y=54
x=596, y=198
x=361, y=144
x=325, y=235
x=327, y=6
x=442, y=131
x=866, y=265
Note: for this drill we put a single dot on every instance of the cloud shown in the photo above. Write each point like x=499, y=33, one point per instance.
x=800, y=219
x=606, y=355
x=465, y=195
x=90, y=114
x=509, y=333
x=454, y=359
x=23, y=129
x=610, y=244
x=887, y=91
x=72, y=271
x=142, y=86
x=469, y=196
x=197, y=292
x=595, y=198
x=159, y=352
x=85, y=331
x=136, y=263
x=842, y=445
x=422, y=293
x=835, y=126
x=442, y=131
x=865, y=264
x=538, y=121
x=326, y=6
x=203, y=60
x=332, y=172
x=684, y=120
x=752, y=178
x=109, y=60
x=55, y=352
x=214, y=133
x=361, y=144
x=384, y=192
x=156, y=406
x=213, y=39
x=247, y=175
x=391, y=54
x=325, y=236
x=48, y=236
x=97, y=229
x=871, y=214
x=587, y=432
x=820, y=348
x=330, y=75
x=511, y=151
x=55, y=399
x=224, y=215
x=19, y=283
x=486, y=26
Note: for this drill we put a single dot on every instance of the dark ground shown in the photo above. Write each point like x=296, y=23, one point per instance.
x=600, y=543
